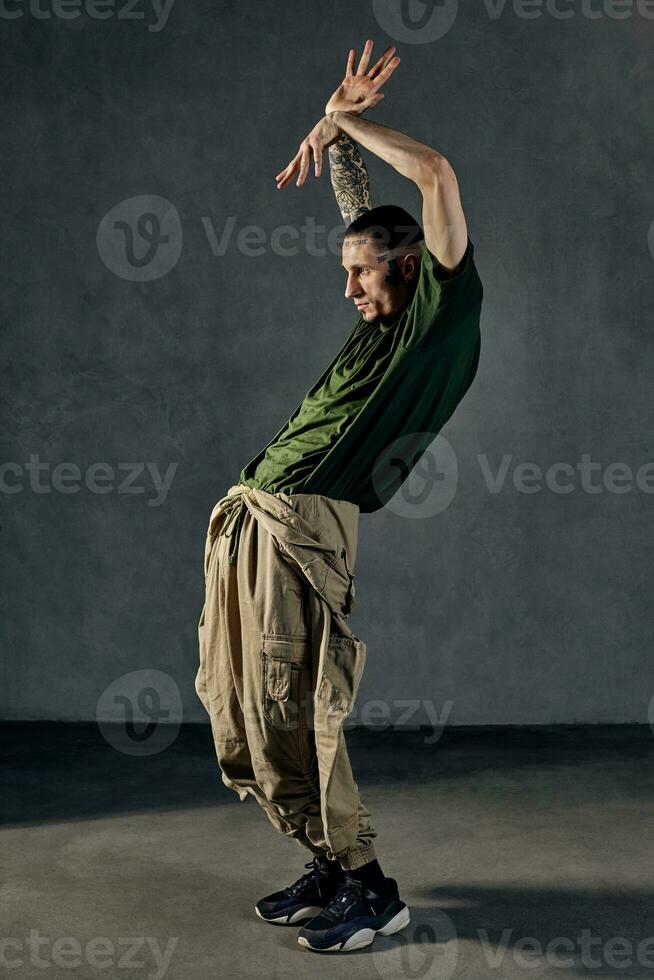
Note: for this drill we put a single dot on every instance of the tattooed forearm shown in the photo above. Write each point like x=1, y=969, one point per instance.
x=349, y=176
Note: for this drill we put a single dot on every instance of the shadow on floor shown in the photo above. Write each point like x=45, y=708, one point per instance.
x=55, y=772
x=522, y=932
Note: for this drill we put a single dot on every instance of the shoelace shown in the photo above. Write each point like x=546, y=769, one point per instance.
x=349, y=893
x=301, y=882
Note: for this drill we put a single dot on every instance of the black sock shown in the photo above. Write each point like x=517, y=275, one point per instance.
x=370, y=875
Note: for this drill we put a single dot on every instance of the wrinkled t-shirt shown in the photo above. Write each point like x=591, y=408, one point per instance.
x=366, y=421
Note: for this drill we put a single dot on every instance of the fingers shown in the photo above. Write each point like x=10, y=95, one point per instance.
x=284, y=181
x=382, y=62
x=386, y=73
x=304, y=165
x=365, y=58
x=283, y=178
x=302, y=160
x=350, y=62
x=316, y=146
x=280, y=177
x=371, y=101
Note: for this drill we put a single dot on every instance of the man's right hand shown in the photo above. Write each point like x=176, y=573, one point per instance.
x=360, y=91
x=323, y=134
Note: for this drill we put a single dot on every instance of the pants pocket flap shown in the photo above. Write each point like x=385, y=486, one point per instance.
x=288, y=647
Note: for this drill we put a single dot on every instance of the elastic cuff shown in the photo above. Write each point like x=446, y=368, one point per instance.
x=354, y=858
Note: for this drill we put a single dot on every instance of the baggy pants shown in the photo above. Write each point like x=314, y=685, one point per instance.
x=280, y=665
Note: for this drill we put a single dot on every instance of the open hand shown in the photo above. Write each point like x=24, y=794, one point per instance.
x=360, y=91
x=322, y=135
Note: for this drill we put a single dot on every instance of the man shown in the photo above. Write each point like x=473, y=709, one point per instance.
x=279, y=664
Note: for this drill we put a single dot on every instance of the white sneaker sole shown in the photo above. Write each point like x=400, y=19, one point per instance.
x=290, y=920
x=363, y=937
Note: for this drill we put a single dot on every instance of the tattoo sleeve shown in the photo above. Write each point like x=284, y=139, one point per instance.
x=349, y=176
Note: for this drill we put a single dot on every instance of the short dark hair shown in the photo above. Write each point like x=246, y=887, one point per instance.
x=390, y=227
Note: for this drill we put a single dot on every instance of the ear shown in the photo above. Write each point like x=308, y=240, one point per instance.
x=411, y=267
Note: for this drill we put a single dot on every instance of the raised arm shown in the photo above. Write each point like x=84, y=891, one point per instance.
x=359, y=90
x=444, y=223
x=446, y=232
x=349, y=176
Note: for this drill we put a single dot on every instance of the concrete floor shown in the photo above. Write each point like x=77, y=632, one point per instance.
x=521, y=853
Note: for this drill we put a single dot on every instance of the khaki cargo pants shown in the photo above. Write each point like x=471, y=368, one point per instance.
x=280, y=666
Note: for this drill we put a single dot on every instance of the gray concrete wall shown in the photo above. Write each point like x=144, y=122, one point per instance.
x=487, y=603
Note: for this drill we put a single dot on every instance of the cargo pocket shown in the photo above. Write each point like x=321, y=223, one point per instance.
x=341, y=675
x=286, y=680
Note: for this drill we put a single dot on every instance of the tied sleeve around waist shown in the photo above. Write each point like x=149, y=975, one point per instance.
x=324, y=565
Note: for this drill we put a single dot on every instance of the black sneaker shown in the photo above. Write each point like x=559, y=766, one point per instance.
x=306, y=897
x=354, y=916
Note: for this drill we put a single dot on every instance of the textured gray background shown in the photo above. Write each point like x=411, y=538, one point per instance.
x=510, y=607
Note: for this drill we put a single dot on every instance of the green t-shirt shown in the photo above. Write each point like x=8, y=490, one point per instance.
x=400, y=381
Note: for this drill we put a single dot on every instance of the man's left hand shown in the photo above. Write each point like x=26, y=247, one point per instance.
x=359, y=90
